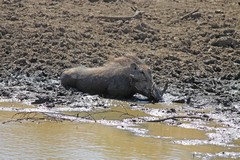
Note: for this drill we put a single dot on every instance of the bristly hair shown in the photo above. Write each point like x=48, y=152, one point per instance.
x=126, y=60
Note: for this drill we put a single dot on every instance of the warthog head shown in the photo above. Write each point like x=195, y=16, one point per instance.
x=141, y=79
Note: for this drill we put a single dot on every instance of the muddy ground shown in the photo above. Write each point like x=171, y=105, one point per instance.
x=195, y=45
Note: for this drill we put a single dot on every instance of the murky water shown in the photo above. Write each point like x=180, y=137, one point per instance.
x=76, y=140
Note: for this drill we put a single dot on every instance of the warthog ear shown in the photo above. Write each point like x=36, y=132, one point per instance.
x=134, y=66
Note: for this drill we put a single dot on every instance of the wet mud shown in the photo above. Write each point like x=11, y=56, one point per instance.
x=195, y=49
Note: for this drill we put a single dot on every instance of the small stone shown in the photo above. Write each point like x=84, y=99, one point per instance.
x=210, y=16
x=13, y=18
x=21, y=61
x=217, y=69
x=93, y=1
x=237, y=61
x=120, y=22
x=225, y=42
x=210, y=61
x=61, y=29
x=237, y=76
x=196, y=15
x=219, y=11
x=215, y=25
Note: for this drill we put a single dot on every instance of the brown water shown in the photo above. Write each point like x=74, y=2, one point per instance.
x=71, y=140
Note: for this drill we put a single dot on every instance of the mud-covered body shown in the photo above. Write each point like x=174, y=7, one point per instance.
x=121, y=78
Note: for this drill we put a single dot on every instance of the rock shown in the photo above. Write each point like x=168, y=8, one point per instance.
x=92, y=1
x=13, y=18
x=210, y=61
x=210, y=90
x=179, y=101
x=42, y=99
x=21, y=61
x=237, y=52
x=215, y=25
x=172, y=58
x=217, y=69
x=229, y=32
x=226, y=42
x=219, y=11
x=108, y=1
x=237, y=61
x=196, y=15
x=237, y=76
x=126, y=30
x=227, y=77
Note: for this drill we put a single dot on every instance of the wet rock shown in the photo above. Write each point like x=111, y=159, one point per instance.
x=179, y=101
x=42, y=99
x=171, y=110
x=22, y=97
x=49, y=105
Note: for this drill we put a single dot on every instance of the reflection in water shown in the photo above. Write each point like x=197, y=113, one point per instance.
x=77, y=141
x=70, y=140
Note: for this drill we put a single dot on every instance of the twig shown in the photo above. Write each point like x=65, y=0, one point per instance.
x=137, y=15
x=90, y=115
x=23, y=119
x=176, y=117
x=189, y=14
x=186, y=16
x=31, y=113
x=122, y=113
x=164, y=88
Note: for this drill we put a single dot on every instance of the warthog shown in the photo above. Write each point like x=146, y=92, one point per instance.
x=121, y=78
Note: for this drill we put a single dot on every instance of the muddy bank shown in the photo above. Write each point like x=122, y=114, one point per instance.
x=195, y=49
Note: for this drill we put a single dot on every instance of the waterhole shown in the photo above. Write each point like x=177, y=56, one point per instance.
x=110, y=137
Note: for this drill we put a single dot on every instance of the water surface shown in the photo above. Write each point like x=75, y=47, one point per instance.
x=72, y=140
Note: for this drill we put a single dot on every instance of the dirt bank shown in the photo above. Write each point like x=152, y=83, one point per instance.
x=195, y=45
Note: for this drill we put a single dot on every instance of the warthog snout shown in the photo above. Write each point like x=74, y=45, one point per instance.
x=156, y=93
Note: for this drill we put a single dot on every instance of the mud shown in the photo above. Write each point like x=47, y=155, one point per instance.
x=197, y=53
x=194, y=45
